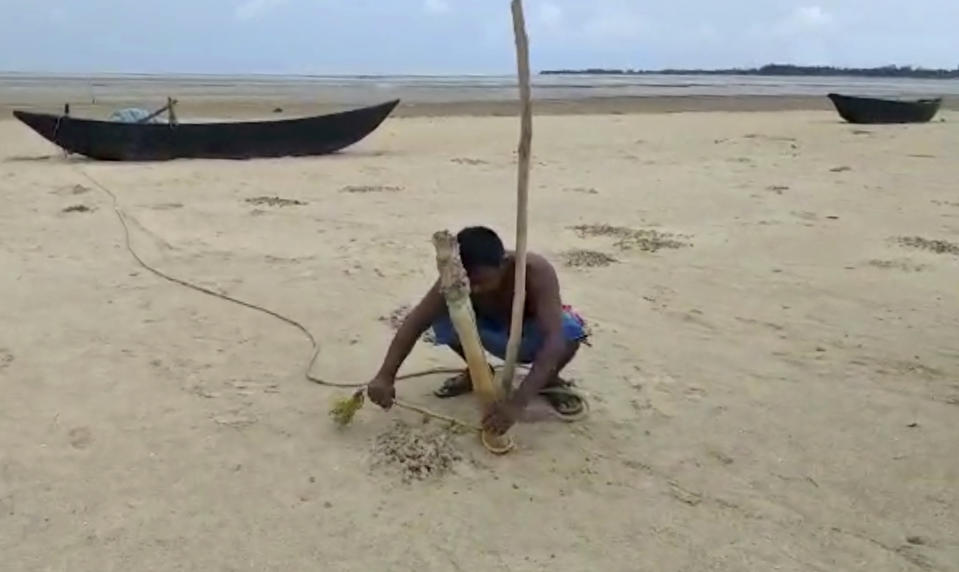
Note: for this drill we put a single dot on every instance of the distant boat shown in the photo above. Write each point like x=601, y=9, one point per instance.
x=874, y=110
x=141, y=139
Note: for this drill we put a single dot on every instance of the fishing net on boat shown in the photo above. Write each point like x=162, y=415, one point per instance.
x=133, y=115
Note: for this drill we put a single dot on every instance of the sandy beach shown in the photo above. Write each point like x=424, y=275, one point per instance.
x=774, y=372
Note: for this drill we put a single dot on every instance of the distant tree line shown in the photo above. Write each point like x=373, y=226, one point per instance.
x=779, y=70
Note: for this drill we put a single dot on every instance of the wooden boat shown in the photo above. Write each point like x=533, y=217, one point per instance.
x=151, y=141
x=874, y=110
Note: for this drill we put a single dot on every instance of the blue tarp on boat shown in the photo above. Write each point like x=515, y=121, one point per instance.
x=132, y=115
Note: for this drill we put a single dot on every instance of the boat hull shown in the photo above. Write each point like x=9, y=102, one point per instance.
x=868, y=110
x=116, y=141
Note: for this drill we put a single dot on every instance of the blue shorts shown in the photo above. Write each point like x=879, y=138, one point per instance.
x=495, y=335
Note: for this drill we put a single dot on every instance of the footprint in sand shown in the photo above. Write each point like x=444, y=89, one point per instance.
x=6, y=358
x=721, y=457
x=902, y=264
x=80, y=437
x=582, y=190
x=684, y=495
x=236, y=419
x=771, y=325
x=805, y=215
x=695, y=317
x=694, y=393
x=469, y=161
x=72, y=190
x=274, y=202
x=946, y=203
x=371, y=189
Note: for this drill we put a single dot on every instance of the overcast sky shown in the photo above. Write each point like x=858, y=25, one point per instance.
x=466, y=36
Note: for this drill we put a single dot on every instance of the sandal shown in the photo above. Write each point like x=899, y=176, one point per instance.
x=567, y=403
x=456, y=385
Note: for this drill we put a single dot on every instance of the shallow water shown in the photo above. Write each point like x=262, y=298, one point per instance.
x=28, y=88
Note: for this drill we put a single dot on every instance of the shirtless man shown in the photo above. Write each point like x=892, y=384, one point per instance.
x=552, y=333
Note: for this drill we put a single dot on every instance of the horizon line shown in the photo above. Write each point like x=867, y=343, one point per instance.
x=554, y=71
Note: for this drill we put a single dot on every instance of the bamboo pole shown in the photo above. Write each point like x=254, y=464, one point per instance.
x=454, y=285
x=522, y=197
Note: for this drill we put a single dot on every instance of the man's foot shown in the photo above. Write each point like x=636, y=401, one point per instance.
x=456, y=385
x=560, y=395
x=563, y=398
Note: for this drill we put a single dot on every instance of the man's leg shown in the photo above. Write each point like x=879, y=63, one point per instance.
x=556, y=391
x=572, y=346
x=495, y=339
x=461, y=383
x=573, y=334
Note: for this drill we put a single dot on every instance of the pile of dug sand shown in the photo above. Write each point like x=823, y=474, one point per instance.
x=418, y=453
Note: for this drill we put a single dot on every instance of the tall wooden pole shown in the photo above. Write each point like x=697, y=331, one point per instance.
x=522, y=195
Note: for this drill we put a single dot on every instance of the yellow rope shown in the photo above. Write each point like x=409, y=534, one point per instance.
x=121, y=216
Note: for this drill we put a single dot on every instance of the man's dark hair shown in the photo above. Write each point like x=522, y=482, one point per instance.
x=480, y=246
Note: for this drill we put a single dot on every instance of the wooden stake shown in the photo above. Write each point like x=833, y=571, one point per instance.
x=455, y=286
x=522, y=196
x=171, y=108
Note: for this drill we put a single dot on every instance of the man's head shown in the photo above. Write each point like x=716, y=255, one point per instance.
x=483, y=256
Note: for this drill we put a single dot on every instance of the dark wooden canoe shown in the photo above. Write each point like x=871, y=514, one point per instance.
x=874, y=110
x=116, y=141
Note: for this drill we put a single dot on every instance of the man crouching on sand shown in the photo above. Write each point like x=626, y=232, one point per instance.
x=552, y=333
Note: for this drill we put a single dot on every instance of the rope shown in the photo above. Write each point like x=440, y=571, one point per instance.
x=121, y=216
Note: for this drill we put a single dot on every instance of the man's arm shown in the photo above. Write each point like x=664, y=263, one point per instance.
x=543, y=288
x=416, y=322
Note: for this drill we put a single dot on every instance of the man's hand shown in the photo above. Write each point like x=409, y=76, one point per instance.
x=502, y=415
x=382, y=391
